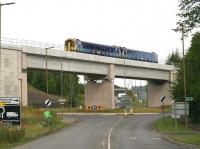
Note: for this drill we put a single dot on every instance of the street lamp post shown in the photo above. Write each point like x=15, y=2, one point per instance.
x=184, y=78
x=47, y=80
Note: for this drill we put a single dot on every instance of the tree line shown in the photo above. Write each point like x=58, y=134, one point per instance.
x=71, y=89
x=192, y=76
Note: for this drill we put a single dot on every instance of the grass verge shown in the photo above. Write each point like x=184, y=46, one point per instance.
x=136, y=109
x=34, y=125
x=181, y=134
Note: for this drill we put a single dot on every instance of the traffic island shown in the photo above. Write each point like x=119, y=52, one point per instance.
x=181, y=135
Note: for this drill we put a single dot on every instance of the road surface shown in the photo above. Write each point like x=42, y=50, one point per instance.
x=106, y=132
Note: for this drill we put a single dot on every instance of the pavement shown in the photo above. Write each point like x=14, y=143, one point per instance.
x=105, y=132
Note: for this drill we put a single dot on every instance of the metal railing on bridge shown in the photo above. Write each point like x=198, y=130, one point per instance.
x=20, y=43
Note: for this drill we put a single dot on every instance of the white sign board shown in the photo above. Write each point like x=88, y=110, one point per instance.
x=10, y=100
x=180, y=108
x=62, y=100
x=47, y=102
x=176, y=116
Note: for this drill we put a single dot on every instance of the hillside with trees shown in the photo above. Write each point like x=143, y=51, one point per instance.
x=71, y=89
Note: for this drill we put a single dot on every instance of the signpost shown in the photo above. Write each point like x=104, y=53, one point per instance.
x=10, y=110
x=179, y=109
x=62, y=102
x=47, y=102
x=163, y=111
x=189, y=98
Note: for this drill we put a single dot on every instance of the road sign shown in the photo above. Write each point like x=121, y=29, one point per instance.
x=62, y=101
x=176, y=116
x=10, y=110
x=162, y=98
x=180, y=108
x=47, y=102
x=189, y=98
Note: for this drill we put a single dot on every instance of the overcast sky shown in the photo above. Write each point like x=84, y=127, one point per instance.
x=137, y=24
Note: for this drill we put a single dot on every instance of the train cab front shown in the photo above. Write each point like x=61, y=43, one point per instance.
x=70, y=45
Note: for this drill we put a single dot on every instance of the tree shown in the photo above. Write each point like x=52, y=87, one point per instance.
x=174, y=59
x=192, y=65
x=71, y=88
x=189, y=13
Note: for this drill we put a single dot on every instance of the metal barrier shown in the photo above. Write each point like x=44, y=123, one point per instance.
x=19, y=43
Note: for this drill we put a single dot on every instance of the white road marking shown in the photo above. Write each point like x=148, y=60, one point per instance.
x=132, y=138
x=156, y=138
x=109, y=137
x=110, y=131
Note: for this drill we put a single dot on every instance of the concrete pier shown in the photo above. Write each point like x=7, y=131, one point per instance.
x=155, y=90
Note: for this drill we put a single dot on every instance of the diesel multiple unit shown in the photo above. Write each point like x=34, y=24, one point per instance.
x=109, y=51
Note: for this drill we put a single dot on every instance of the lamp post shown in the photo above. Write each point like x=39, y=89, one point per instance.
x=184, y=78
x=0, y=28
x=47, y=83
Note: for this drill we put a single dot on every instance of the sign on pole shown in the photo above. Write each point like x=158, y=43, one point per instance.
x=10, y=110
x=162, y=98
x=180, y=108
x=47, y=102
x=189, y=98
x=62, y=101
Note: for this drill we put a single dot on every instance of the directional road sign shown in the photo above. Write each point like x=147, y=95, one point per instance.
x=10, y=110
x=189, y=98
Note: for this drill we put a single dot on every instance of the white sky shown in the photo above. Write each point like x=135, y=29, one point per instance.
x=138, y=24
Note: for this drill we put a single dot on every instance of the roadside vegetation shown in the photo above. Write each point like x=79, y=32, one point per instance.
x=181, y=134
x=192, y=79
x=33, y=125
x=189, y=22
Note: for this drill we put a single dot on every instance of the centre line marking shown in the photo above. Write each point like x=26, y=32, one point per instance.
x=109, y=137
x=110, y=131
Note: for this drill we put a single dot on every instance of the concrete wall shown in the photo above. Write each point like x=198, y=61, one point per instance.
x=13, y=82
x=100, y=94
x=155, y=91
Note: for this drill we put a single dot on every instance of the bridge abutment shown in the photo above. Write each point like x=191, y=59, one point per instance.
x=13, y=80
x=155, y=90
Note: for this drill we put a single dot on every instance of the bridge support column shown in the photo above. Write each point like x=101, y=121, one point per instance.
x=155, y=91
x=13, y=81
x=100, y=93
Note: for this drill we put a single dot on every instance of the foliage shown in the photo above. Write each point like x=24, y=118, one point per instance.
x=174, y=59
x=189, y=13
x=71, y=88
x=192, y=65
x=167, y=124
x=11, y=134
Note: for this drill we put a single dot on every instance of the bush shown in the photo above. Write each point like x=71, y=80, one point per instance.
x=11, y=134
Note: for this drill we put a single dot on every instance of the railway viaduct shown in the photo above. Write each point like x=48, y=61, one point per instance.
x=15, y=60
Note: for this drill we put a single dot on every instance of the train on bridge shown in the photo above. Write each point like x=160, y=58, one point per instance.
x=109, y=51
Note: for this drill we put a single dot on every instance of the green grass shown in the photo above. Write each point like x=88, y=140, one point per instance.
x=182, y=134
x=136, y=109
x=34, y=124
x=187, y=138
x=168, y=125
